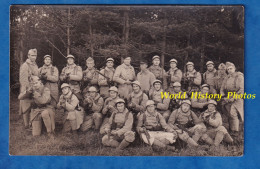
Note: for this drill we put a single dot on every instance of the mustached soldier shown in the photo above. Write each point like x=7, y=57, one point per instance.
x=27, y=70
x=119, y=129
x=209, y=76
x=50, y=76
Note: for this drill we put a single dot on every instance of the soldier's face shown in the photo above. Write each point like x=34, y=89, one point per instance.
x=70, y=61
x=190, y=68
x=127, y=61
x=211, y=107
x=110, y=64
x=65, y=90
x=156, y=62
x=90, y=65
x=92, y=94
x=150, y=108
x=120, y=107
x=210, y=67
x=143, y=66
x=136, y=88
x=221, y=71
x=230, y=70
x=37, y=84
x=204, y=90
x=176, y=89
x=32, y=57
x=157, y=86
x=173, y=65
x=47, y=61
x=185, y=107
x=113, y=94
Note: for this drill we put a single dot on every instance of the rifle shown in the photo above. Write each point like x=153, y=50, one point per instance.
x=184, y=129
x=66, y=80
x=43, y=77
x=147, y=136
x=109, y=82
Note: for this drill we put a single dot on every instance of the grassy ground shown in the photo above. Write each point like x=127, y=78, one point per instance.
x=89, y=144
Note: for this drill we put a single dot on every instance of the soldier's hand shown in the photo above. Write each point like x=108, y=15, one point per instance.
x=127, y=82
x=109, y=107
x=36, y=94
x=107, y=130
x=141, y=130
x=114, y=132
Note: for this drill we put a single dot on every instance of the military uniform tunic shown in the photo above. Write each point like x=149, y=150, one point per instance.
x=102, y=81
x=146, y=79
x=159, y=74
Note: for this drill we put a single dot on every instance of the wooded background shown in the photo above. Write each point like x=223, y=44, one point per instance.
x=186, y=33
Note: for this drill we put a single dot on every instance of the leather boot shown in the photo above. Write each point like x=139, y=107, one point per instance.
x=228, y=138
x=219, y=137
x=192, y=143
x=123, y=144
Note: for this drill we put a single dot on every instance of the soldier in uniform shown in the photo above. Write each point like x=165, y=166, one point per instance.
x=187, y=124
x=174, y=74
x=213, y=121
x=90, y=75
x=234, y=82
x=124, y=75
x=199, y=105
x=191, y=79
x=158, y=72
x=161, y=104
x=221, y=74
x=175, y=103
x=93, y=104
x=73, y=114
x=72, y=74
x=154, y=130
x=49, y=74
x=41, y=107
x=27, y=70
x=119, y=130
x=105, y=81
x=145, y=77
x=109, y=107
x=209, y=76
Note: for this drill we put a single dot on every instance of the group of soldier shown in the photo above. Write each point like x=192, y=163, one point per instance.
x=122, y=106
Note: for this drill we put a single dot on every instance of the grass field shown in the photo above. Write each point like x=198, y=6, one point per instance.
x=89, y=143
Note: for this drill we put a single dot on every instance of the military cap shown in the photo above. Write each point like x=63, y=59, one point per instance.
x=222, y=66
x=110, y=59
x=65, y=85
x=229, y=64
x=113, y=88
x=149, y=102
x=186, y=101
x=137, y=83
x=205, y=85
x=209, y=62
x=189, y=63
x=176, y=84
x=32, y=52
x=173, y=60
x=212, y=102
x=90, y=59
x=143, y=62
x=156, y=57
x=70, y=56
x=120, y=101
x=47, y=56
x=157, y=81
x=92, y=89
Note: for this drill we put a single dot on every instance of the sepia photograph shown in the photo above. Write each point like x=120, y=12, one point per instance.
x=128, y=80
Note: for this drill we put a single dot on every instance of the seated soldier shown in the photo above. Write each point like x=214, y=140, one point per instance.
x=73, y=114
x=137, y=99
x=93, y=104
x=161, y=104
x=41, y=107
x=119, y=130
x=109, y=107
x=200, y=104
x=154, y=130
x=175, y=103
x=187, y=124
x=215, y=129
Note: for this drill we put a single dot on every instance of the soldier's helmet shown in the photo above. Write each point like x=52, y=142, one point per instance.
x=90, y=60
x=65, y=85
x=209, y=62
x=137, y=83
x=92, y=89
x=113, y=88
x=70, y=56
x=149, y=102
x=189, y=63
x=32, y=52
x=229, y=64
x=173, y=60
x=186, y=101
x=176, y=84
x=157, y=81
x=120, y=101
x=212, y=102
x=47, y=56
x=222, y=66
x=205, y=85
x=110, y=59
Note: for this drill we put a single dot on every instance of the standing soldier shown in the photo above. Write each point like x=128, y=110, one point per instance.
x=175, y=102
x=234, y=82
x=174, y=74
x=221, y=74
x=209, y=76
x=158, y=72
x=105, y=78
x=27, y=70
x=154, y=130
x=191, y=79
x=187, y=124
x=145, y=77
x=90, y=76
x=49, y=74
x=119, y=129
x=72, y=74
x=93, y=104
x=161, y=104
x=124, y=75
x=109, y=107
x=199, y=105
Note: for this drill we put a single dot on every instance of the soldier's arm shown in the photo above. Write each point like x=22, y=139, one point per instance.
x=141, y=107
x=164, y=76
x=53, y=77
x=44, y=98
x=23, y=77
x=72, y=105
x=163, y=123
x=117, y=76
x=152, y=79
x=217, y=121
x=94, y=80
x=164, y=105
x=102, y=81
x=195, y=118
x=197, y=79
x=78, y=76
x=59, y=103
x=172, y=119
x=140, y=123
x=177, y=76
x=24, y=95
x=196, y=104
x=62, y=75
x=105, y=109
x=110, y=121
x=128, y=125
x=97, y=107
x=240, y=83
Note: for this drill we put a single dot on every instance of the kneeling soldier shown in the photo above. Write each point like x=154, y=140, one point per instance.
x=119, y=129
x=73, y=114
x=41, y=107
x=93, y=104
x=215, y=129
x=187, y=124
x=153, y=128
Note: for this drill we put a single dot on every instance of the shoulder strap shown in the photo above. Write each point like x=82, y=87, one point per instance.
x=142, y=97
x=144, y=118
x=52, y=70
x=126, y=116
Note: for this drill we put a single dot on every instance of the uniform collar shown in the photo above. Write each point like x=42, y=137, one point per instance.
x=68, y=95
x=144, y=72
x=155, y=67
x=109, y=69
x=126, y=67
x=137, y=95
x=97, y=96
x=45, y=66
x=173, y=69
x=71, y=66
x=214, y=71
x=30, y=62
x=151, y=115
x=124, y=112
x=184, y=114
